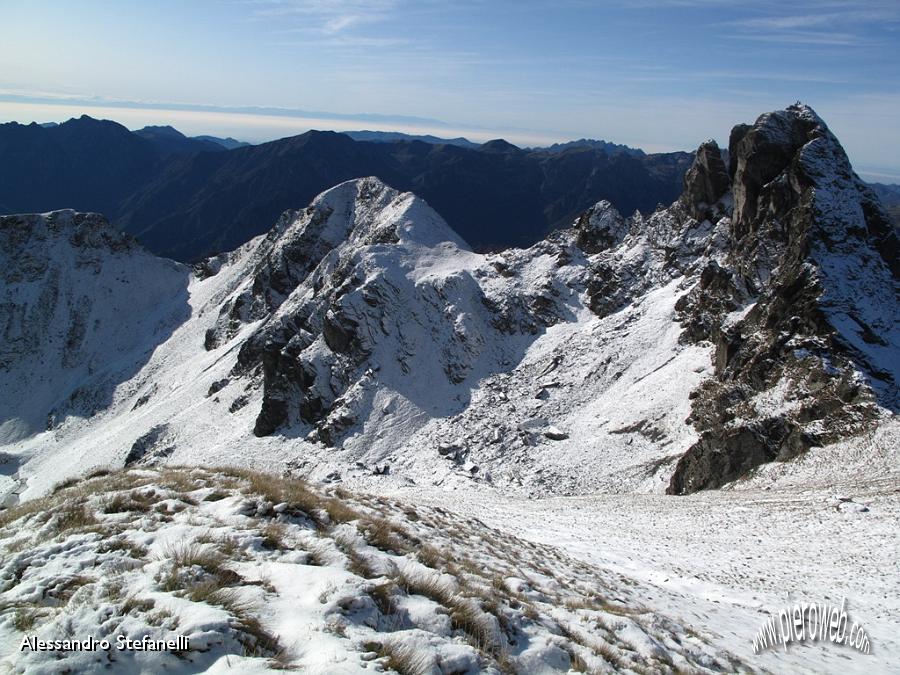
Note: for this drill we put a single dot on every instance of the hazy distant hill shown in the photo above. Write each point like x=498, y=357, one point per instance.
x=391, y=136
x=227, y=143
x=85, y=164
x=606, y=146
x=170, y=141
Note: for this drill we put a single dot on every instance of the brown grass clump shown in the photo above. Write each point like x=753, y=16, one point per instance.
x=75, y=516
x=26, y=618
x=300, y=499
x=465, y=615
x=385, y=536
x=125, y=503
x=340, y=512
x=273, y=537
x=431, y=586
x=134, y=604
x=402, y=657
x=63, y=591
x=357, y=563
x=255, y=638
x=190, y=554
x=384, y=595
x=29, y=508
x=430, y=556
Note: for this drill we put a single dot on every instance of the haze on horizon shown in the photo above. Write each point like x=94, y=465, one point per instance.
x=655, y=74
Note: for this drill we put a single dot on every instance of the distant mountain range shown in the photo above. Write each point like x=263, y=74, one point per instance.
x=228, y=143
x=169, y=135
x=391, y=136
x=605, y=146
x=190, y=197
x=170, y=141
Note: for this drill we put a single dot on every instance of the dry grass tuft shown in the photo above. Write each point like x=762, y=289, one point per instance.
x=402, y=657
x=191, y=554
x=255, y=638
x=26, y=617
x=385, y=597
x=466, y=616
x=465, y=613
x=29, y=508
x=357, y=563
x=180, y=480
x=126, y=503
x=66, y=588
x=301, y=500
x=134, y=604
x=340, y=512
x=383, y=535
x=431, y=586
x=273, y=537
x=73, y=517
x=65, y=485
x=431, y=557
x=576, y=661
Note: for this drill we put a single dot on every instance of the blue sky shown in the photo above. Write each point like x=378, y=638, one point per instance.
x=658, y=74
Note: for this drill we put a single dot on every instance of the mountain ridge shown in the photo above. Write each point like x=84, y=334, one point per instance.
x=361, y=333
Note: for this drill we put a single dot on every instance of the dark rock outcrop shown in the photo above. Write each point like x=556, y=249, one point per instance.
x=705, y=182
x=812, y=260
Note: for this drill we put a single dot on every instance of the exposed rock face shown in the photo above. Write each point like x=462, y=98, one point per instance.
x=812, y=260
x=705, y=182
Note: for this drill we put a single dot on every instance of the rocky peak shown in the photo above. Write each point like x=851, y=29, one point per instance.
x=350, y=216
x=811, y=274
x=762, y=152
x=599, y=228
x=341, y=286
x=705, y=182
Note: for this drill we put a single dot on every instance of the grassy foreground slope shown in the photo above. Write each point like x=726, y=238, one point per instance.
x=263, y=573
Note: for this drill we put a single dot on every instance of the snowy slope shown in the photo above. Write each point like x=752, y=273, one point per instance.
x=69, y=280
x=401, y=330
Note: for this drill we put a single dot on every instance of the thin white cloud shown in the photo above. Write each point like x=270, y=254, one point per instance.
x=838, y=23
x=325, y=16
x=796, y=37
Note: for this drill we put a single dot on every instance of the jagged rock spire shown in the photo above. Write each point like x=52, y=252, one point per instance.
x=705, y=182
x=813, y=259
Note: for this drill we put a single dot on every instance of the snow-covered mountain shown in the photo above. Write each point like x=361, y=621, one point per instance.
x=422, y=390
x=754, y=319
